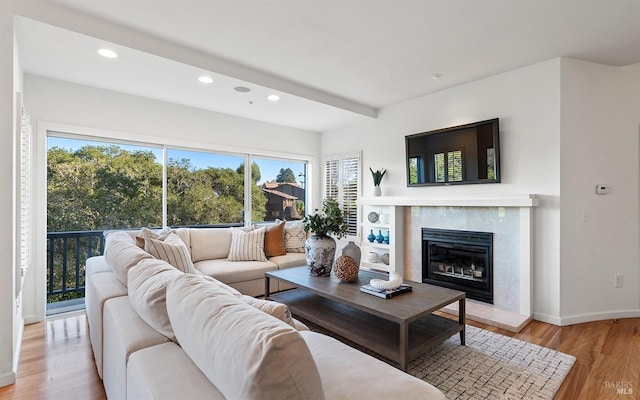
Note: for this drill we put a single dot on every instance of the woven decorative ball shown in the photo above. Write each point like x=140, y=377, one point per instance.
x=346, y=269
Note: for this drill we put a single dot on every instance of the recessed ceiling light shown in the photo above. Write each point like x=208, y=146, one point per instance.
x=435, y=77
x=273, y=97
x=242, y=89
x=205, y=79
x=108, y=53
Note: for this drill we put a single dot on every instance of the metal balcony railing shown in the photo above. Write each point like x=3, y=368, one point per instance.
x=67, y=253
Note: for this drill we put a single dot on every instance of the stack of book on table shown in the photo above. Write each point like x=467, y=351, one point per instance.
x=385, y=293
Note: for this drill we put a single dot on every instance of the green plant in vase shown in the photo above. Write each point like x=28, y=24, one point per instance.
x=377, y=179
x=320, y=248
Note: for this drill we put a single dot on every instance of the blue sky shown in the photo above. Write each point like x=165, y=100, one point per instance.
x=269, y=168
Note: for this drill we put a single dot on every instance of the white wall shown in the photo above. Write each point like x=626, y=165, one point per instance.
x=10, y=81
x=55, y=104
x=527, y=101
x=600, y=131
x=67, y=103
x=565, y=126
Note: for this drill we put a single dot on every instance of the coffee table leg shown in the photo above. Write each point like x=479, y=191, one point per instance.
x=404, y=344
x=461, y=319
x=266, y=287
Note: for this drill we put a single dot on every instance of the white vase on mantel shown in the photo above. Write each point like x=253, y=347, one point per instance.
x=376, y=191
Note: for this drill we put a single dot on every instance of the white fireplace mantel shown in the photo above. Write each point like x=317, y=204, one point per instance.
x=524, y=202
x=508, y=200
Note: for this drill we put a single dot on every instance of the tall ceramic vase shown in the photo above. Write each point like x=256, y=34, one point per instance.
x=353, y=251
x=320, y=250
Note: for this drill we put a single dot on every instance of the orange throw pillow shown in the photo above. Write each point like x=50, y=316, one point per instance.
x=274, y=240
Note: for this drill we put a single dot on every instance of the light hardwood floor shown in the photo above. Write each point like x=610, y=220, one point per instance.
x=57, y=362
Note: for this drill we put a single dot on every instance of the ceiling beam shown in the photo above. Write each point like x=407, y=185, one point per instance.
x=63, y=17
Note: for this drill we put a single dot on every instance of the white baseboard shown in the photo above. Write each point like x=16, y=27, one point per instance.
x=7, y=379
x=31, y=319
x=16, y=353
x=582, y=318
x=549, y=319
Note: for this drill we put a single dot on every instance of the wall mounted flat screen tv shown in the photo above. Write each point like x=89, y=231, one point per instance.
x=457, y=155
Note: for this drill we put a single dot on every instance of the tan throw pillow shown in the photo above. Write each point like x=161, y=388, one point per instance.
x=273, y=308
x=294, y=237
x=171, y=250
x=274, y=240
x=243, y=352
x=146, y=233
x=247, y=246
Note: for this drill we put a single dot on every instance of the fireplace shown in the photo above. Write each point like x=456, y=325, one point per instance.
x=461, y=260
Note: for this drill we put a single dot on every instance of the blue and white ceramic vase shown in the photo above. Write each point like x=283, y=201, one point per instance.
x=320, y=251
x=371, y=237
x=386, y=238
x=379, y=237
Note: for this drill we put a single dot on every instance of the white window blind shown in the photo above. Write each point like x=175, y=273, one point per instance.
x=25, y=199
x=342, y=183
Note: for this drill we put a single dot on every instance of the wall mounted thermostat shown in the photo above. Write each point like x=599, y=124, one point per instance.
x=602, y=188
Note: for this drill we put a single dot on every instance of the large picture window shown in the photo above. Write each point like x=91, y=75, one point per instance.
x=204, y=188
x=280, y=184
x=95, y=185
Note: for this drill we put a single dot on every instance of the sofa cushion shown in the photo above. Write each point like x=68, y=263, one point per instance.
x=124, y=334
x=274, y=240
x=234, y=271
x=289, y=260
x=171, y=250
x=165, y=372
x=244, y=353
x=101, y=285
x=348, y=373
x=148, y=293
x=185, y=236
x=247, y=246
x=294, y=237
x=209, y=243
x=273, y=308
x=121, y=253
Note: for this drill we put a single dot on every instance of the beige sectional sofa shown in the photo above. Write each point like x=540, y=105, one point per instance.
x=160, y=333
x=209, y=249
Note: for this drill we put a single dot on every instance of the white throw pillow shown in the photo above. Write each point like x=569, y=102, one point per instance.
x=294, y=237
x=247, y=246
x=243, y=352
x=171, y=250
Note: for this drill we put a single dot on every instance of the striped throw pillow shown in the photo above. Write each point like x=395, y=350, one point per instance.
x=247, y=246
x=172, y=250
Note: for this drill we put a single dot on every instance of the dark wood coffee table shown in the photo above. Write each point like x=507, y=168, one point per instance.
x=400, y=329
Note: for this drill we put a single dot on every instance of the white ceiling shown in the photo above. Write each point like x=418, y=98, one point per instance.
x=332, y=62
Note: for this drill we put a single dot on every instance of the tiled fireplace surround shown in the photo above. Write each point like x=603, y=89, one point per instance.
x=508, y=217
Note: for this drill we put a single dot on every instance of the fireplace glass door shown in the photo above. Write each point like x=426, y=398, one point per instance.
x=461, y=262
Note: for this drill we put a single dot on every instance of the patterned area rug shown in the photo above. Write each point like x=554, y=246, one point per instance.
x=490, y=366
